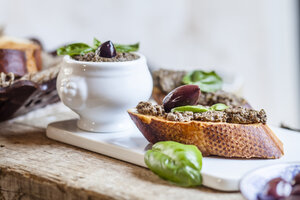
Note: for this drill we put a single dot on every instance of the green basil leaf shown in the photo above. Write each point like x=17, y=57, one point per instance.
x=96, y=43
x=207, y=81
x=178, y=163
x=74, y=49
x=195, y=109
x=200, y=108
x=81, y=48
x=127, y=48
x=219, y=107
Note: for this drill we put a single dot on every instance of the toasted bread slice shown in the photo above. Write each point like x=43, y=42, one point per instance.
x=32, y=51
x=213, y=138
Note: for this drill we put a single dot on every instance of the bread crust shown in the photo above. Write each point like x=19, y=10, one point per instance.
x=213, y=138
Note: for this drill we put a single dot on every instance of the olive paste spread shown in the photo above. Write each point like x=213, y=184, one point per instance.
x=167, y=80
x=237, y=115
x=93, y=57
x=227, y=98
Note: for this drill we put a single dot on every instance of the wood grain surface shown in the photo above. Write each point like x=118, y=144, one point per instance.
x=35, y=167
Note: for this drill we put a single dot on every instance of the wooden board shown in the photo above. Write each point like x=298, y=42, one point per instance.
x=218, y=173
x=35, y=167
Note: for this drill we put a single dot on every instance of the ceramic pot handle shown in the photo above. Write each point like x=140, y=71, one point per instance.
x=73, y=92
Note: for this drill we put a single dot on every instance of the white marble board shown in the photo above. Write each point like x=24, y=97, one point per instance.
x=218, y=173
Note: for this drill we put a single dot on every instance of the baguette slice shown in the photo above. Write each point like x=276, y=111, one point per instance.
x=31, y=50
x=213, y=138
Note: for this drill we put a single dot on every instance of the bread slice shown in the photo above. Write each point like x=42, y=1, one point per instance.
x=32, y=51
x=213, y=138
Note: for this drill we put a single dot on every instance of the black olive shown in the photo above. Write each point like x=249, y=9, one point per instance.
x=182, y=96
x=277, y=188
x=106, y=50
x=296, y=180
x=292, y=197
x=296, y=190
x=264, y=197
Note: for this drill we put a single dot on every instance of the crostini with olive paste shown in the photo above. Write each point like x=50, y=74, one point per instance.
x=217, y=130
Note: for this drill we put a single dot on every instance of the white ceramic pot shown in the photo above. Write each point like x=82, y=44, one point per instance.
x=101, y=92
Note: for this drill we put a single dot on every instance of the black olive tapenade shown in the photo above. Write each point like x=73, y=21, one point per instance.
x=120, y=57
x=220, y=96
x=167, y=80
x=147, y=108
x=237, y=115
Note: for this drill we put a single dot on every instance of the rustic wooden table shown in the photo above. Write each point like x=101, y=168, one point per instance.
x=33, y=166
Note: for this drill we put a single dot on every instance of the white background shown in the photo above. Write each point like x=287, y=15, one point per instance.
x=254, y=38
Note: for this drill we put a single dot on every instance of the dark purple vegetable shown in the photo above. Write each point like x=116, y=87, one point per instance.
x=106, y=50
x=292, y=197
x=277, y=188
x=182, y=96
x=296, y=190
x=264, y=197
x=296, y=180
x=280, y=189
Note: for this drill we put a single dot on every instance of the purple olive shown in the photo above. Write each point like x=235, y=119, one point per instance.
x=296, y=180
x=292, y=197
x=296, y=190
x=277, y=188
x=106, y=50
x=182, y=96
x=264, y=197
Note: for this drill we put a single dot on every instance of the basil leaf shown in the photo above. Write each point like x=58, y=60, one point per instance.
x=74, y=49
x=178, y=163
x=218, y=107
x=195, y=109
x=127, y=48
x=207, y=81
x=200, y=108
x=82, y=48
x=96, y=43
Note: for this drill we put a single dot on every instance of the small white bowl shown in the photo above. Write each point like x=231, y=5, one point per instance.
x=101, y=92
